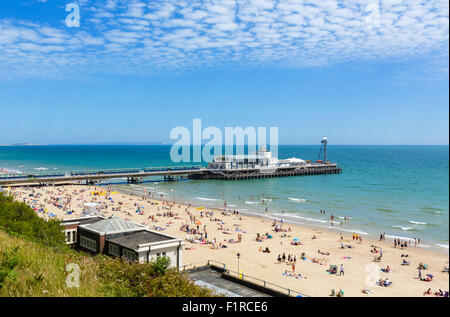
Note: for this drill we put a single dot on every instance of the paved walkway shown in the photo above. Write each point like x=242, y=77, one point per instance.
x=212, y=280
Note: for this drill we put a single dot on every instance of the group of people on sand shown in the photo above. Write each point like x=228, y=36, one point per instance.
x=339, y=293
x=439, y=293
x=278, y=226
x=260, y=238
x=39, y=198
x=290, y=259
x=405, y=244
x=295, y=275
x=357, y=237
x=323, y=253
x=385, y=282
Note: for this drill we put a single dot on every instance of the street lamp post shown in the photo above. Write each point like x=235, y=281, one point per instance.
x=238, y=256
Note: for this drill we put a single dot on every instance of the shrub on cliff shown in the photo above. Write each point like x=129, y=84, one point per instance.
x=19, y=219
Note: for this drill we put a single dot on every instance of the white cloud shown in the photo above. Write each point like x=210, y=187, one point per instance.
x=119, y=36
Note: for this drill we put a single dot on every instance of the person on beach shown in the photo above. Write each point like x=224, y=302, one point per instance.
x=341, y=270
x=354, y=236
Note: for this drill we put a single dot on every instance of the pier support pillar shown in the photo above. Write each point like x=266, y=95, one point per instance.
x=134, y=180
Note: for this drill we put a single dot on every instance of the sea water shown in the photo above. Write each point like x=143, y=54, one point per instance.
x=402, y=191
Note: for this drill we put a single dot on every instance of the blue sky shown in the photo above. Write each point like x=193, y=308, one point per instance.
x=359, y=72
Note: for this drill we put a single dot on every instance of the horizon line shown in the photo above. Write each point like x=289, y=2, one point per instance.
x=165, y=144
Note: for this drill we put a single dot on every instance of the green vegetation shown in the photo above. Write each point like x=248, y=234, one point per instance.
x=123, y=279
x=34, y=257
x=19, y=219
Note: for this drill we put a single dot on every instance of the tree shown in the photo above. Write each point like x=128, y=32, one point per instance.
x=160, y=265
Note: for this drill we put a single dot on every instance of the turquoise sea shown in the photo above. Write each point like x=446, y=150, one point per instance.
x=400, y=190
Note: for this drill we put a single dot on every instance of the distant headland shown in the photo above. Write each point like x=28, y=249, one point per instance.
x=22, y=144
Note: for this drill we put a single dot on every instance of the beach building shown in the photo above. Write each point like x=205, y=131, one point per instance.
x=90, y=208
x=263, y=164
x=121, y=238
x=291, y=162
x=260, y=159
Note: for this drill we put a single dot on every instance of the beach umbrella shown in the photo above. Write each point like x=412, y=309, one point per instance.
x=199, y=222
x=296, y=240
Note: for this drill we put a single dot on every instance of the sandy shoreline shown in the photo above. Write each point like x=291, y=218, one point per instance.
x=286, y=218
x=360, y=270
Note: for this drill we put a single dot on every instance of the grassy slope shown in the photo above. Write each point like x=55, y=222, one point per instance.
x=40, y=270
x=33, y=259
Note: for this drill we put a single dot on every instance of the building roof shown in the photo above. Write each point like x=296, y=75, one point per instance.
x=239, y=157
x=295, y=160
x=82, y=221
x=91, y=204
x=113, y=224
x=131, y=240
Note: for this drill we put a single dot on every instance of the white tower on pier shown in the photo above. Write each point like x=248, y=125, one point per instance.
x=324, y=143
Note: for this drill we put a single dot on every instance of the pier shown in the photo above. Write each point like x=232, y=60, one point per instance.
x=249, y=173
x=91, y=177
x=171, y=173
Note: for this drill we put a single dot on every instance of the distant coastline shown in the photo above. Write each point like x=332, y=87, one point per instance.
x=22, y=144
x=90, y=144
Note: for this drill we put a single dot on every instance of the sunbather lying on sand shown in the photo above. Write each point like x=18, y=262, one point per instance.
x=384, y=283
x=387, y=269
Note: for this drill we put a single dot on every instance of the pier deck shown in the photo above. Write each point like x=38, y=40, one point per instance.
x=169, y=173
x=93, y=176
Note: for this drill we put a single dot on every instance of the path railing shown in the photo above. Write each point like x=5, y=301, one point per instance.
x=244, y=277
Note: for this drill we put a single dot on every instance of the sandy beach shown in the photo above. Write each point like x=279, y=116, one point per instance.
x=314, y=249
